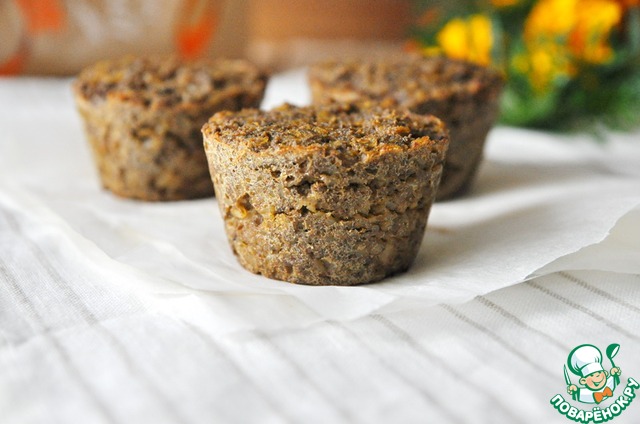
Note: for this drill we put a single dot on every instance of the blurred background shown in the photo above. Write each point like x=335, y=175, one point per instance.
x=568, y=63
x=61, y=36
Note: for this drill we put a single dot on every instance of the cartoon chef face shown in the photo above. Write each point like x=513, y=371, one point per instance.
x=595, y=381
x=586, y=361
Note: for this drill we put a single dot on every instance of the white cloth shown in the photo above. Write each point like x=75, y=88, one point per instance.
x=119, y=311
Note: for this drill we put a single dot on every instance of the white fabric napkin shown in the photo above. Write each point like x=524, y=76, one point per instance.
x=539, y=199
x=118, y=311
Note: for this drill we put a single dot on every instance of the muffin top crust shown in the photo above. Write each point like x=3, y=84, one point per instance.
x=333, y=128
x=165, y=81
x=405, y=78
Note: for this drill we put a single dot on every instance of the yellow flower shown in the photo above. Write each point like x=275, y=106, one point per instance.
x=545, y=64
x=469, y=39
x=549, y=19
x=560, y=33
x=594, y=21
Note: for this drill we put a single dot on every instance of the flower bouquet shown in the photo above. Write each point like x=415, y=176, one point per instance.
x=568, y=63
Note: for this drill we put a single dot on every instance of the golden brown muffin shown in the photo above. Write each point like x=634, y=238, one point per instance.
x=464, y=95
x=325, y=195
x=143, y=117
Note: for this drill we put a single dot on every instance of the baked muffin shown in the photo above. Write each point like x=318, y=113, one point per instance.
x=325, y=195
x=143, y=118
x=464, y=95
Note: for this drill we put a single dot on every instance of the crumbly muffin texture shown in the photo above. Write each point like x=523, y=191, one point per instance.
x=465, y=96
x=325, y=195
x=143, y=117
x=405, y=80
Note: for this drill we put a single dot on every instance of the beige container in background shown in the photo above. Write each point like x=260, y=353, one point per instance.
x=290, y=33
x=63, y=36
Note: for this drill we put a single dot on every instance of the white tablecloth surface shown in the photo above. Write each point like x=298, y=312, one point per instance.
x=117, y=311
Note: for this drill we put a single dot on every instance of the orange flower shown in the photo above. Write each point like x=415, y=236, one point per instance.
x=594, y=21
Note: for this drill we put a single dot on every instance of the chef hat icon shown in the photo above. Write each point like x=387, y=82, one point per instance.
x=584, y=360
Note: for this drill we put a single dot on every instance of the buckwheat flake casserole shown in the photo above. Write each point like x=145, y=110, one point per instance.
x=143, y=116
x=464, y=95
x=325, y=195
